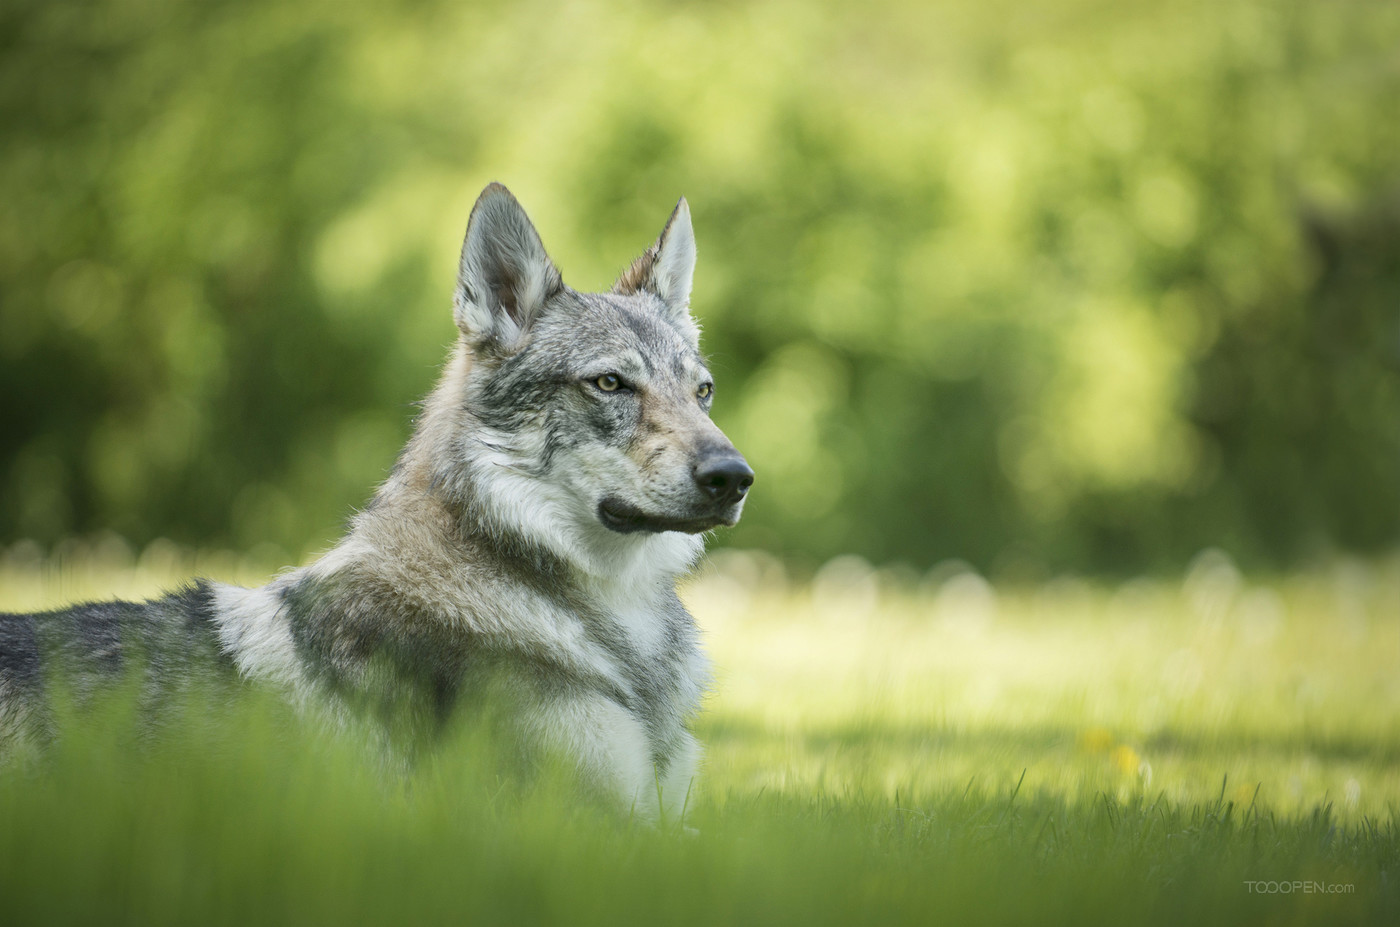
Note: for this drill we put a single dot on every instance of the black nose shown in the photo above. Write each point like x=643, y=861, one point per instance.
x=724, y=478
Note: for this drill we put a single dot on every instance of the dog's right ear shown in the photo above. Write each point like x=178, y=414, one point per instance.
x=666, y=269
x=505, y=277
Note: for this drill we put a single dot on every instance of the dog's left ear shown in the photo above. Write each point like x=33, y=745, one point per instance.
x=667, y=268
x=505, y=277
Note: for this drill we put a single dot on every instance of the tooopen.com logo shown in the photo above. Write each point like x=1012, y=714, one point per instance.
x=1299, y=887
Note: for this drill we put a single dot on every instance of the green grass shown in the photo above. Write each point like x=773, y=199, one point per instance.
x=882, y=749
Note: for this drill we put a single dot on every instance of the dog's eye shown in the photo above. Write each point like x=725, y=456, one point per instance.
x=609, y=383
x=705, y=390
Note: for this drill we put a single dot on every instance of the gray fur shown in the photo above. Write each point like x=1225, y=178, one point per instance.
x=522, y=556
x=164, y=648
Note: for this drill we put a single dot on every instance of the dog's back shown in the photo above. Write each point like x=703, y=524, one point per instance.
x=157, y=650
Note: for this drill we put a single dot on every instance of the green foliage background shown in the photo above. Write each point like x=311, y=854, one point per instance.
x=1071, y=285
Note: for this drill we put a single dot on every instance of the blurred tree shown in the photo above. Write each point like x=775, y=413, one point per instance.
x=1075, y=284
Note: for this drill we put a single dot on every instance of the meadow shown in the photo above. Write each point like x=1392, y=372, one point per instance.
x=884, y=746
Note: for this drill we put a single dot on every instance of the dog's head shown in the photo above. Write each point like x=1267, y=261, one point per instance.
x=600, y=400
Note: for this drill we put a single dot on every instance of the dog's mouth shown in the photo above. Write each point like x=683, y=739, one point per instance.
x=625, y=518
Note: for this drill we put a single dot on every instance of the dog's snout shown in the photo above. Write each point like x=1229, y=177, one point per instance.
x=724, y=478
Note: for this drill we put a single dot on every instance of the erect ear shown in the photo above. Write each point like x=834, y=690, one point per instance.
x=667, y=267
x=505, y=276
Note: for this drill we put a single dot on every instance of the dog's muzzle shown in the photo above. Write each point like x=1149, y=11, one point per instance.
x=722, y=479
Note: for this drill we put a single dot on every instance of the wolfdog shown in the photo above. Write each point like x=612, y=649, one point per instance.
x=522, y=554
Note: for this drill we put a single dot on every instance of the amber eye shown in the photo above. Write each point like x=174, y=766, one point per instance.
x=609, y=382
x=705, y=390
